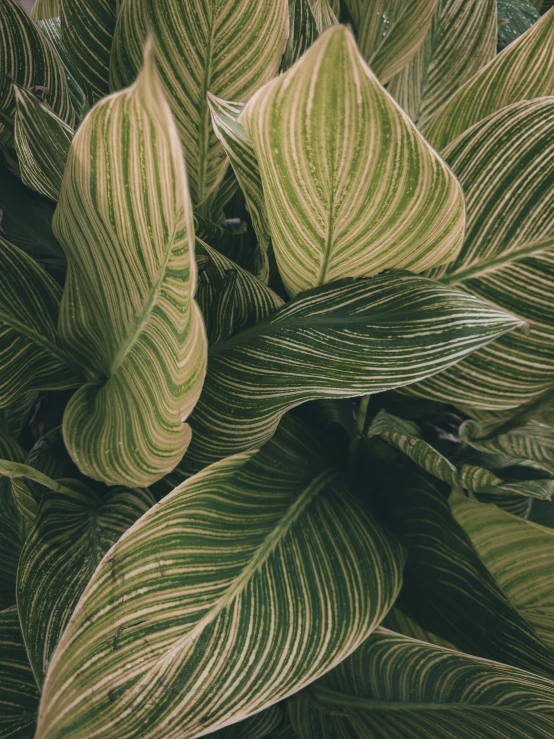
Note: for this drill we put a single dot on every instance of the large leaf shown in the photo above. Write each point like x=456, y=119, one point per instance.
x=394, y=687
x=244, y=584
x=19, y=696
x=508, y=254
x=460, y=41
x=31, y=352
x=72, y=533
x=201, y=46
x=523, y=71
x=27, y=57
x=351, y=187
x=341, y=340
x=12, y=527
x=125, y=221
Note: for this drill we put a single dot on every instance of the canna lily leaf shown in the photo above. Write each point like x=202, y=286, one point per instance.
x=351, y=187
x=460, y=41
x=397, y=687
x=19, y=696
x=73, y=531
x=42, y=142
x=244, y=584
x=201, y=46
x=523, y=71
x=128, y=314
x=45, y=9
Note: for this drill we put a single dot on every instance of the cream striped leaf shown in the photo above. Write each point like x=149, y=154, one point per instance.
x=73, y=531
x=303, y=31
x=394, y=687
x=508, y=254
x=478, y=480
x=45, y=9
x=460, y=41
x=342, y=340
x=42, y=142
x=389, y=32
x=19, y=696
x=229, y=130
x=128, y=315
x=204, y=46
x=87, y=30
x=519, y=555
x=324, y=14
x=523, y=71
x=12, y=526
x=31, y=355
x=28, y=57
x=351, y=187
x=244, y=584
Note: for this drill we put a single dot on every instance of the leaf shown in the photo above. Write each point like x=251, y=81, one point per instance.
x=508, y=254
x=514, y=18
x=389, y=32
x=229, y=130
x=342, y=340
x=244, y=584
x=19, y=696
x=204, y=46
x=28, y=57
x=87, y=29
x=397, y=687
x=523, y=71
x=325, y=15
x=128, y=314
x=303, y=31
x=328, y=140
x=518, y=553
x=479, y=480
x=396, y=620
x=258, y=726
x=42, y=142
x=32, y=356
x=73, y=531
x=12, y=527
x=45, y=9
x=460, y=41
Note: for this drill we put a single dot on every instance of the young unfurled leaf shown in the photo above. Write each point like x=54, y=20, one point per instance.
x=351, y=187
x=128, y=315
x=243, y=585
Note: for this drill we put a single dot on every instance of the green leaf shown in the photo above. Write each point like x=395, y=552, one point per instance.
x=342, y=340
x=479, y=480
x=257, y=727
x=19, y=696
x=73, y=531
x=203, y=46
x=523, y=71
x=244, y=584
x=398, y=621
x=508, y=254
x=397, y=687
x=460, y=41
x=519, y=555
x=27, y=57
x=514, y=18
x=42, y=142
x=128, y=315
x=351, y=187
x=389, y=32
x=45, y=9
x=32, y=356
x=12, y=527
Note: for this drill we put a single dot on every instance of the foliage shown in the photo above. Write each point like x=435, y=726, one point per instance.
x=277, y=378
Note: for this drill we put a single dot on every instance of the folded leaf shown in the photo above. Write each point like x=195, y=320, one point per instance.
x=395, y=687
x=12, y=527
x=351, y=187
x=523, y=71
x=244, y=584
x=201, y=46
x=128, y=315
x=479, y=480
x=19, y=696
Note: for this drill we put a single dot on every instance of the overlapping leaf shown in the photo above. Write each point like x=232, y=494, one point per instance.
x=303, y=31
x=12, y=526
x=351, y=187
x=244, y=584
x=203, y=46
x=514, y=18
x=128, y=314
x=325, y=15
x=260, y=726
x=45, y=9
x=394, y=687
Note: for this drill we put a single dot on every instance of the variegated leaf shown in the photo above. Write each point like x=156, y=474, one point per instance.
x=12, y=526
x=42, y=142
x=508, y=254
x=45, y=9
x=523, y=71
x=398, y=621
x=324, y=14
x=203, y=46
x=244, y=584
x=460, y=41
x=128, y=315
x=478, y=480
x=394, y=687
x=303, y=31
x=351, y=187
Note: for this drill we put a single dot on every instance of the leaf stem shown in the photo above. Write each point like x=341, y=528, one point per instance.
x=360, y=427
